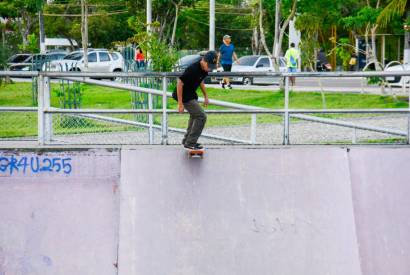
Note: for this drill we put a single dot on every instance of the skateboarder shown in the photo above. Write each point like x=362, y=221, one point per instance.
x=186, y=96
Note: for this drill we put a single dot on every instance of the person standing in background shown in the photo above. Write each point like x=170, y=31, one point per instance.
x=225, y=57
x=139, y=58
x=292, y=58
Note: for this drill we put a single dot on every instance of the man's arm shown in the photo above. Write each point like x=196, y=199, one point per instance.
x=203, y=89
x=180, y=89
x=235, y=57
x=218, y=57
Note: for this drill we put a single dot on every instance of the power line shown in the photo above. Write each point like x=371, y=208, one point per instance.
x=79, y=15
x=221, y=28
x=90, y=5
x=224, y=13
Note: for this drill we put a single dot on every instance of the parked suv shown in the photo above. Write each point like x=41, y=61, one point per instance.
x=99, y=60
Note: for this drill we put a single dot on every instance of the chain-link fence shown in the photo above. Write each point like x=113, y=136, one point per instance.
x=64, y=118
x=18, y=125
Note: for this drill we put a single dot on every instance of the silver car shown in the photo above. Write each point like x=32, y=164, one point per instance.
x=398, y=80
x=257, y=63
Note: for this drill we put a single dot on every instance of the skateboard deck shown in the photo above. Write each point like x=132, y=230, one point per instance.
x=196, y=153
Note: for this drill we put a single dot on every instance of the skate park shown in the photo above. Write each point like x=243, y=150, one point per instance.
x=239, y=210
x=303, y=119
x=73, y=205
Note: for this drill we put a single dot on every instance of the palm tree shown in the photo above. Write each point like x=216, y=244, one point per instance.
x=398, y=7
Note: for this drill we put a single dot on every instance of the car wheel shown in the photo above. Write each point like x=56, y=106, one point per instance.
x=247, y=81
x=116, y=78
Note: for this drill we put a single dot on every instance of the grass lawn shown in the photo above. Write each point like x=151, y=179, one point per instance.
x=19, y=95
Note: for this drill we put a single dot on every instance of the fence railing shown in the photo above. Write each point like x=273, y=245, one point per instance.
x=45, y=111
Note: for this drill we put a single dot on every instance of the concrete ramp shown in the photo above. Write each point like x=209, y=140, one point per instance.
x=59, y=212
x=237, y=211
x=381, y=195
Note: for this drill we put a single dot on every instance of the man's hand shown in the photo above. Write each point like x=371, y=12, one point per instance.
x=180, y=108
x=206, y=101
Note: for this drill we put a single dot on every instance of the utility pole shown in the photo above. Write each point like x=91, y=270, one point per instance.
x=277, y=28
x=406, y=56
x=3, y=23
x=42, y=34
x=84, y=30
x=149, y=15
x=211, y=25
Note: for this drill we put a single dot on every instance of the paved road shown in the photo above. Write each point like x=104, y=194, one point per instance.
x=307, y=84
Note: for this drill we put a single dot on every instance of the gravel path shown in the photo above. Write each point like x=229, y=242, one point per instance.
x=301, y=132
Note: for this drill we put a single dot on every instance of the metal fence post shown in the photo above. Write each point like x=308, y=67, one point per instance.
x=354, y=137
x=164, y=131
x=40, y=110
x=408, y=128
x=408, y=118
x=286, y=119
x=150, y=120
x=253, y=128
x=48, y=118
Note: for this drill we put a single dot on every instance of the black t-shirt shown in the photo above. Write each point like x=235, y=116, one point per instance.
x=192, y=78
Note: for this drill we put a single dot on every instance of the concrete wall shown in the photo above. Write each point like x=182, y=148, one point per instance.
x=319, y=210
x=63, y=221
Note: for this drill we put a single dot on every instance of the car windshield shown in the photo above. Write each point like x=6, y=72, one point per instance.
x=189, y=59
x=74, y=56
x=56, y=56
x=18, y=58
x=247, y=60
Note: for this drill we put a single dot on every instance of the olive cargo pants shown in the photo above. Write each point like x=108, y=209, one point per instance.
x=197, y=120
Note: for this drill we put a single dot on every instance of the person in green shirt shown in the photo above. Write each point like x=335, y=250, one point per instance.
x=292, y=56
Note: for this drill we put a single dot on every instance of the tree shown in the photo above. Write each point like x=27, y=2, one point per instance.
x=394, y=8
x=365, y=22
x=309, y=25
x=23, y=14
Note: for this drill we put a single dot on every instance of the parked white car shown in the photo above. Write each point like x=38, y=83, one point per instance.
x=101, y=61
x=398, y=80
x=257, y=63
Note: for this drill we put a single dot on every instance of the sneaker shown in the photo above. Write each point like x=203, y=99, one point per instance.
x=229, y=86
x=199, y=146
x=190, y=147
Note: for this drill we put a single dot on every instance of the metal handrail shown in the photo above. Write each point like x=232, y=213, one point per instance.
x=45, y=110
x=177, y=74
x=254, y=111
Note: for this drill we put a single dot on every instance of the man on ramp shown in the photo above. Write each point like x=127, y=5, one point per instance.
x=186, y=96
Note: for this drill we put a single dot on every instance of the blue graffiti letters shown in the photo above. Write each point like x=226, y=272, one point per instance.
x=35, y=164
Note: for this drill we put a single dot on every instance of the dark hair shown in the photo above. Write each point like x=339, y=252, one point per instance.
x=292, y=45
x=139, y=49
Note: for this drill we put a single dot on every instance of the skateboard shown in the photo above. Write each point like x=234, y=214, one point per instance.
x=198, y=153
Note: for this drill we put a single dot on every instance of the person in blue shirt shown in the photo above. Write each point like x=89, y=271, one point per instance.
x=225, y=56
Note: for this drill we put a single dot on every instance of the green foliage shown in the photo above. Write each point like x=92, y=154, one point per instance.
x=162, y=56
x=358, y=22
x=392, y=10
x=69, y=95
x=32, y=45
x=343, y=52
x=309, y=25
